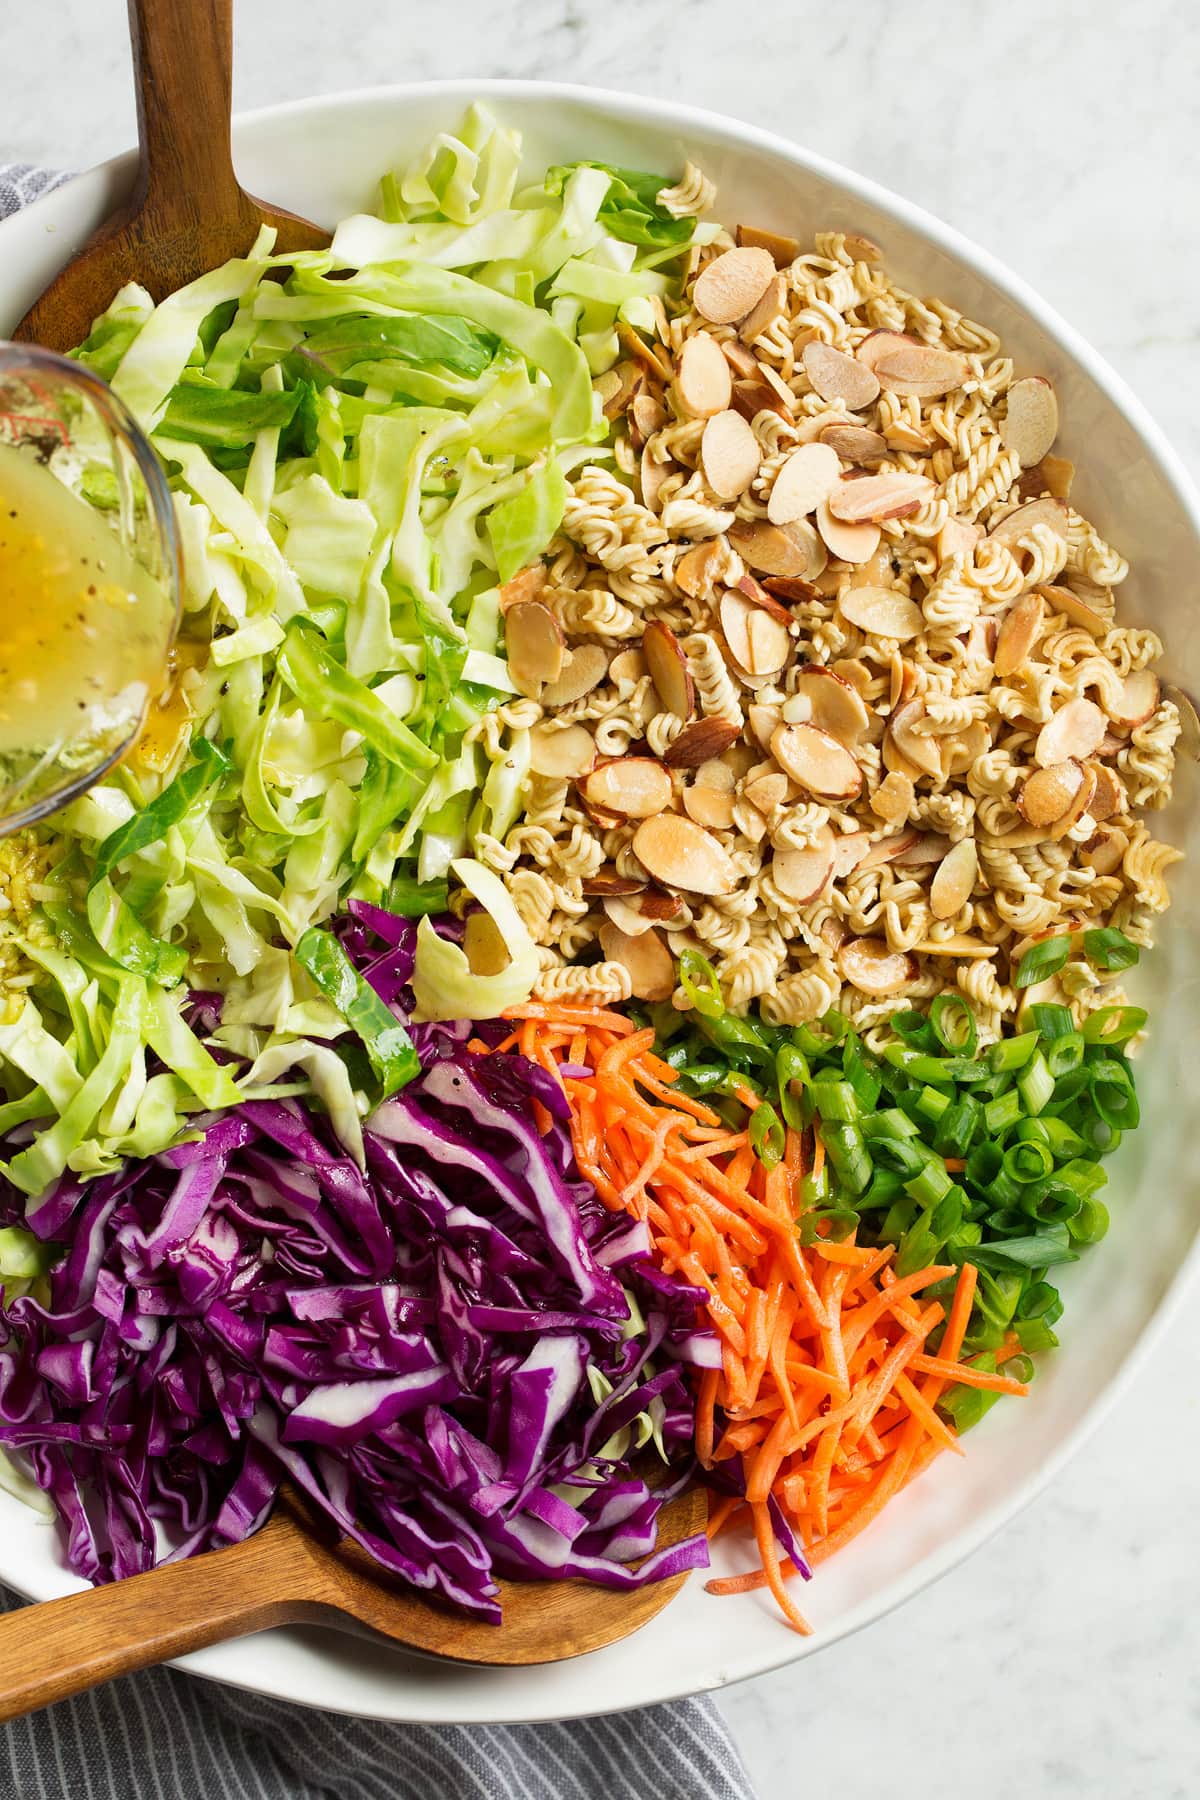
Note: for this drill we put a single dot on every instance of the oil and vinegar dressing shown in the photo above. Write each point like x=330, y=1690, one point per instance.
x=83, y=632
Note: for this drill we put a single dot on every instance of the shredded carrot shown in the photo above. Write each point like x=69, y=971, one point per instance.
x=825, y=1390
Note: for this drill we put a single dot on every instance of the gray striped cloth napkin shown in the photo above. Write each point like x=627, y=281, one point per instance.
x=164, y=1736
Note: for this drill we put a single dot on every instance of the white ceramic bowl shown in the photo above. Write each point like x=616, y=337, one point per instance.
x=323, y=158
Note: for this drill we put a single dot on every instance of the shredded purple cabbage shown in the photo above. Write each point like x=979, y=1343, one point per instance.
x=410, y=1345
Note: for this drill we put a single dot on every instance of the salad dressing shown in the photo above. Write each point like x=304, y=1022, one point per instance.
x=81, y=623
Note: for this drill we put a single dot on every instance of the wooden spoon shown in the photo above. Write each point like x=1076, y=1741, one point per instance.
x=186, y=214
x=285, y=1575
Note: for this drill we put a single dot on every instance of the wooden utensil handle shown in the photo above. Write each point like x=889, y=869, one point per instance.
x=62, y=1647
x=183, y=68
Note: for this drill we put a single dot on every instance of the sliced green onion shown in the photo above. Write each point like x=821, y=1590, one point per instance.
x=1003, y=1111
x=1090, y=1223
x=890, y=1123
x=699, y=981
x=953, y=1024
x=846, y=1150
x=1112, y=1025
x=1113, y=1094
x=1051, y=1021
x=931, y=1184
x=916, y=1031
x=1064, y=1054
x=1042, y=959
x=1110, y=949
x=834, y=1100
x=1012, y=1053
x=931, y=1104
x=767, y=1137
x=1035, y=1084
x=1027, y=1161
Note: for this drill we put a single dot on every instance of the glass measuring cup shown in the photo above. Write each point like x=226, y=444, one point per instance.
x=89, y=581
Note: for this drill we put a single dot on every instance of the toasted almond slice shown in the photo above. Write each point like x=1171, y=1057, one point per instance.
x=1049, y=794
x=653, y=477
x=954, y=881
x=535, y=644
x=849, y=543
x=825, y=699
x=1081, y=803
x=1030, y=425
x=678, y=853
x=902, y=435
x=1110, y=796
x=758, y=595
x=962, y=748
x=743, y=362
x=646, y=416
x=1035, y=512
x=885, y=850
x=631, y=787
x=805, y=479
x=752, y=397
x=1018, y=634
x=767, y=792
x=791, y=587
x=1105, y=852
x=1110, y=745
x=784, y=250
x=718, y=772
x=766, y=309
x=564, y=755
x=696, y=569
x=930, y=847
x=704, y=384
x=849, y=853
x=801, y=875
x=658, y=905
x=644, y=954
x=1138, y=702
x=855, y=443
x=893, y=798
x=902, y=681
x=816, y=760
x=960, y=944
x=729, y=454
x=731, y=284
x=1061, y=599
x=918, y=750
x=758, y=643
x=525, y=586
x=626, y=917
x=957, y=537
x=882, y=612
x=1074, y=731
x=778, y=549
x=861, y=247
x=651, y=356
x=629, y=378
x=905, y=365
x=700, y=742
x=1058, y=472
x=668, y=669
x=584, y=668
x=838, y=377
x=869, y=964
x=628, y=665
x=710, y=806
x=893, y=494
x=764, y=721
x=1189, y=721
x=606, y=883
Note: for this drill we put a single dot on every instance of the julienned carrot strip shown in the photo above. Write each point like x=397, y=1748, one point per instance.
x=825, y=1391
x=721, y=1514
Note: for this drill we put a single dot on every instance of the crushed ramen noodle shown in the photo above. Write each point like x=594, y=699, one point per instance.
x=836, y=692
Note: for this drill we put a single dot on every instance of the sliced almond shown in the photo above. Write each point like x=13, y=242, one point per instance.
x=743, y=362
x=653, y=477
x=1061, y=599
x=791, y=587
x=752, y=397
x=620, y=386
x=783, y=250
x=849, y=853
x=981, y=640
x=957, y=537
x=861, y=247
x=646, y=417
x=1035, y=512
x=1189, y=722
x=816, y=761
x=893, y=798
x=823, y=698
x=758, y=643
x=962, y=748
x=700, y=742
x=778, y=549
x=806, y=478
x=767, y=308
x=709, y=806
x=1110, y=796
x=885, y=850
x=731, y=284
x=525, y=586
x=801, y=875
x=535, y=645
x=1049, y=794
x=758, y=595
x=1105, y=852
x=655, y=904
x=626, y=917
x=584, y=668
x=930, y=847
x=960, y=944
x=764, y=721
x=954, y=882
x=729, y=455
x=650, y=964
x=668, y=668
x=1110, y=745
x=915, y=747
x=704, y=384
x=893, y=494
x=882, y=612
x=697, y=568
x=606, y=883
x=869, y=964
x=1057, y=472
x=632, y=787
x=1138, y=700
x=767, y=792
x=838, y=377
x=564, y=755
x=1018, y=634
x=651, y=357
x=1030, y=425
x=902, y=681
x=905, y=365
x=1074, y=731
x=855, y=443
x=849, y=543
x=680, y=854
x=628, y=666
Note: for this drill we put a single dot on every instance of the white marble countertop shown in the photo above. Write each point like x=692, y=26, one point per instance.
x=1061, y=1660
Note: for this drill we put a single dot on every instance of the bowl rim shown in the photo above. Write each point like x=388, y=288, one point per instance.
x=1168, y=467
